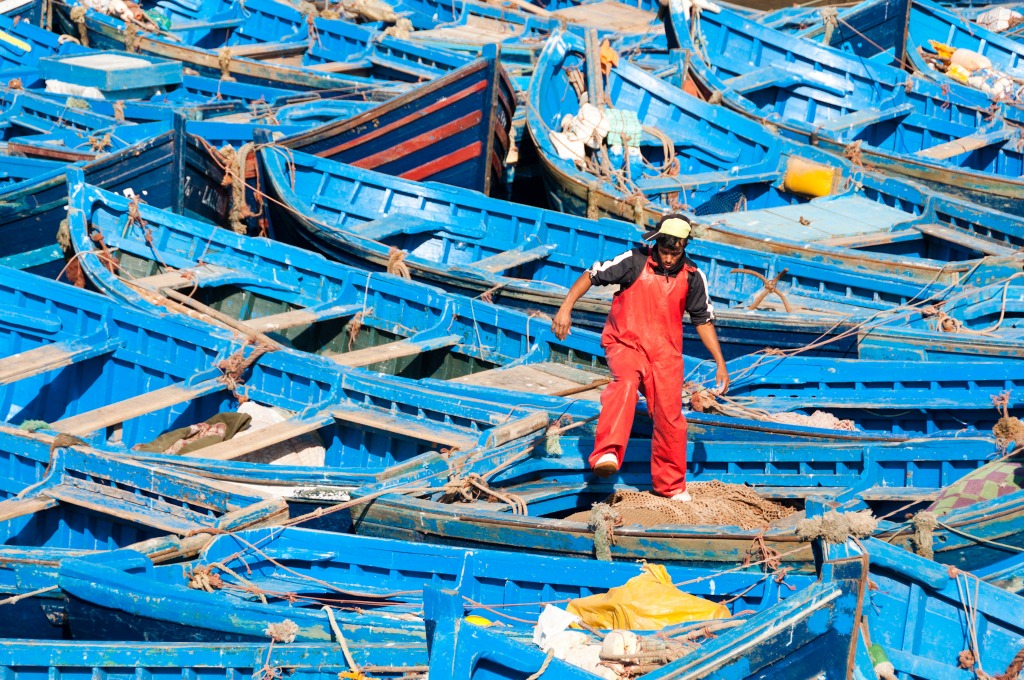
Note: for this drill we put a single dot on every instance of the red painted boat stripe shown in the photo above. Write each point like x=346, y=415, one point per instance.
x=420, y=141
x=436, y=106
x=502, y=135
x=444, y=162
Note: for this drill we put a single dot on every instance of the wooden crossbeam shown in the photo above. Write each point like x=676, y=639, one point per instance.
x=510, y=259
x=176, y=279
x=982, y=244
x=300, y=317
x=973, y=142
x=150, y=402
x=407, y=426
x=394, y=350
x=53, y=356
x=269, y=50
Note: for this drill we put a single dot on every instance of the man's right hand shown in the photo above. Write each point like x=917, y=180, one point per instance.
x=561, y=324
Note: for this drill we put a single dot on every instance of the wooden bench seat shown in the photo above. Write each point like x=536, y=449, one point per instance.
x=973, y=142
x=53, y=356
x=133, y=407
x=859, y=119
x=177, y=279
x=300, y=317
x=982, y=244
x=394, y=350
x=269, y=50
x=408, y=426
x=500, y=262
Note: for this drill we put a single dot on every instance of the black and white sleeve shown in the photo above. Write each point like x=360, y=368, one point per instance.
x=622, y=270
x=698, y=302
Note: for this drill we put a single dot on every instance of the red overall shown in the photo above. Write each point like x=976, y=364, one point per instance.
x=643, y=340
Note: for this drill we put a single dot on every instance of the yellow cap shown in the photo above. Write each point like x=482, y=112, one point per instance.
x=671, y=225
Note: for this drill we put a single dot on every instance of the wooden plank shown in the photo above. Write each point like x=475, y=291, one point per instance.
x=119, y=412
x=543, y=378
x=378, y=130
x=608, y=15
x=873, y=238
x=401, y=222
x=340, y=66
x=207, y=25
x=176, y=279
x=973, y=142
x=509, y=259
x=983, y=244
x=250, y=442
x=394, y=350
x=519, y=427
x=439, y=165
x=300, y=317
x=866, y=117
x=126, y=506
x=268, y=50
x=19, y=507
x=408, y=426
x=778, y=75
x=53, y=356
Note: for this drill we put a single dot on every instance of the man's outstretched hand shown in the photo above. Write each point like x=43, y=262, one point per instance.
x=561, y=324
x=722, y=379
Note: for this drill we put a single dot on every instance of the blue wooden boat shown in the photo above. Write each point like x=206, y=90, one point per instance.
x=36, y=660
x=743, y=182
x=520, y=28
x=200, y=98
x=34, y=199
x=467, y=26
x=120, y=378
x=812, y=633
x=913, y=398
x=949, y=136
x=975, y=526
x=39, y=127
x=29, y=11
x=557, y=519
x=120, y=595
x=915, y=621
x=87, y=502
x=454, y=129
x=569, y=372
x=405, y=328
x=901, y=32
x=528, y=257
x=268, y=43
x=955, y=605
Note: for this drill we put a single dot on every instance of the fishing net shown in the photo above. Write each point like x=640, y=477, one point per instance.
x=713, y=503
x=723, y=202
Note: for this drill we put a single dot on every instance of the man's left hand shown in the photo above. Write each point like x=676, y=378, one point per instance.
x=722, y=379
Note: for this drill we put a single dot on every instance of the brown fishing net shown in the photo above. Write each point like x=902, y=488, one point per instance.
x=713, y=503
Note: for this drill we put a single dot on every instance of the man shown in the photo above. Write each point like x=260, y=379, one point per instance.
x=643, y=341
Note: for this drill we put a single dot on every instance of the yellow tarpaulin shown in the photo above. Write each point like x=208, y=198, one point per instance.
x=646, y=602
